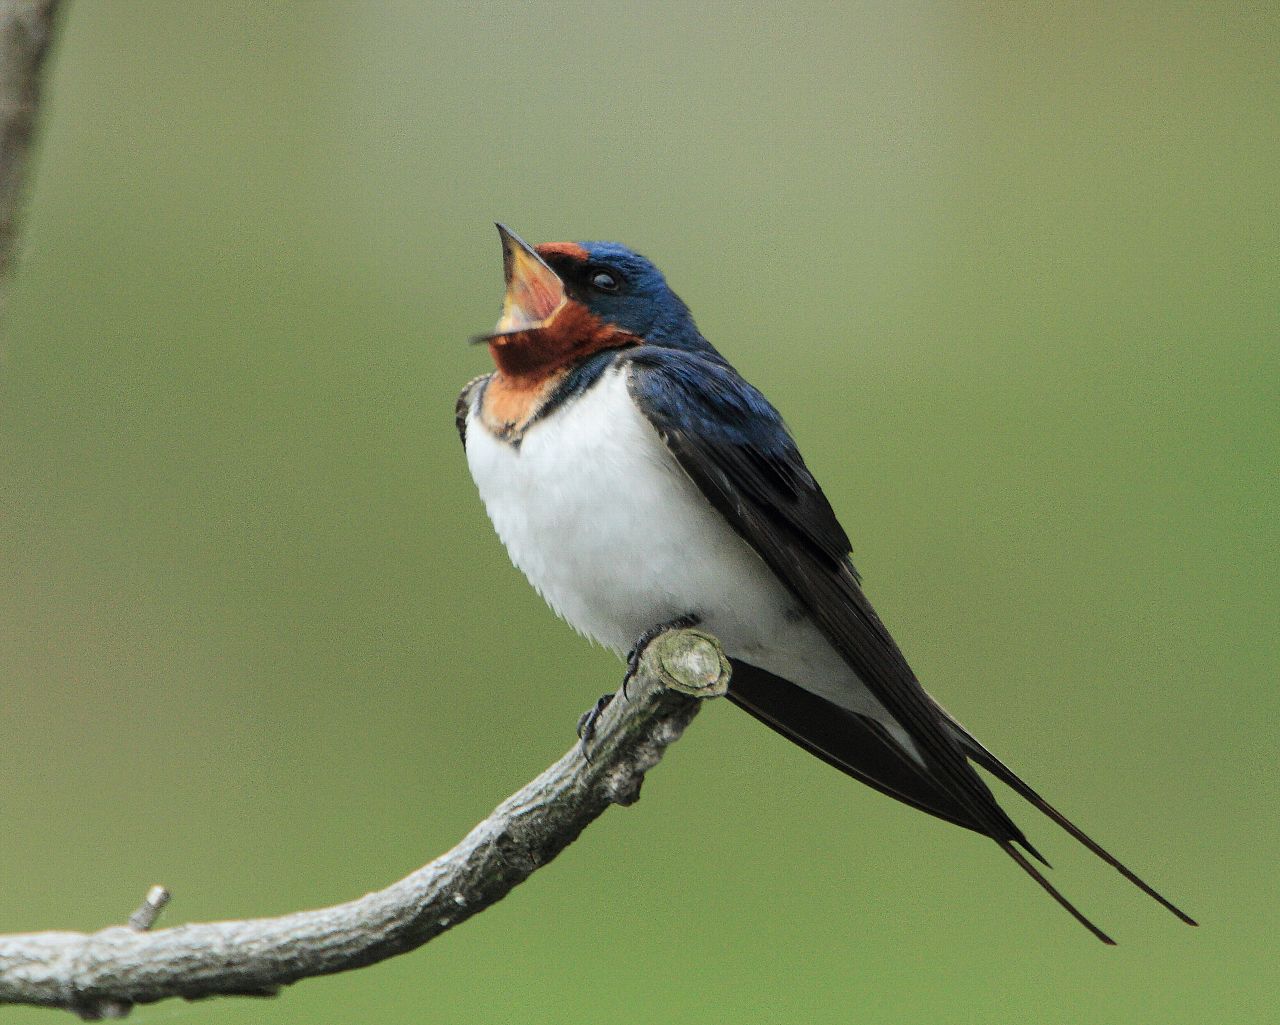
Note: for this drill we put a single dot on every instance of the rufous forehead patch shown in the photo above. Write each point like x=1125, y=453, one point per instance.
x=570, y=249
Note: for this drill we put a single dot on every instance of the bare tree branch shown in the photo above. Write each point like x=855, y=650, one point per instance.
x=26, y=30
x=103, y=974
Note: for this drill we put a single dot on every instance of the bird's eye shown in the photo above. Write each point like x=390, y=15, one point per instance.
x=603, y=281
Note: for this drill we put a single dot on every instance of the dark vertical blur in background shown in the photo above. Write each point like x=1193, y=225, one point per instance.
x=1011, y=276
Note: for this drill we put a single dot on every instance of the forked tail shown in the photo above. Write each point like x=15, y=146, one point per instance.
x=979, y=754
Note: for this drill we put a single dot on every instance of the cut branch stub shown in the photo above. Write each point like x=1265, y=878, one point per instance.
x=691, y=662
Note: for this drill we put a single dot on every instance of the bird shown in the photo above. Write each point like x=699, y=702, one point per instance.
x=640, y=483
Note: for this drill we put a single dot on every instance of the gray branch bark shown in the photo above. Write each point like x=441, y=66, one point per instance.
x=26, y=31
x=103, y=974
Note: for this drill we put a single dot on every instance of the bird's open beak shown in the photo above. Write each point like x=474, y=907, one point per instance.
x=535, y=292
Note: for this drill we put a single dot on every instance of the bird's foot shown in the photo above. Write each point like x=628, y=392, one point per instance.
x=689, y=619
x=587, y=723
x=590, y=718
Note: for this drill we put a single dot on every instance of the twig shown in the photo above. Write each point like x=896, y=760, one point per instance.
x=26, y=30
x=104, y=974
x=145, y=917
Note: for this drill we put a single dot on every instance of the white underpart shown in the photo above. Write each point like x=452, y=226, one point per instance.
x=617, y=539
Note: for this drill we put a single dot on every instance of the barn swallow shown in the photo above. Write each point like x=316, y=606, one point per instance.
x=638, y=481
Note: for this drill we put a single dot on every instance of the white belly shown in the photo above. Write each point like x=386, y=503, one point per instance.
x=615, y=536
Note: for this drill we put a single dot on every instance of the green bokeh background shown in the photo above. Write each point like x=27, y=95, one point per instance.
x=1011, y=275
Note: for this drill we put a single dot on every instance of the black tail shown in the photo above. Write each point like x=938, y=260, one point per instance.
x=1053, y=891
x=979, y=754
x=854, y=744
x=863, y=749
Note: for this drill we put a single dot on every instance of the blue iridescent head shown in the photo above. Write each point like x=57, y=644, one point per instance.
x=617, y=287
x=621, y=287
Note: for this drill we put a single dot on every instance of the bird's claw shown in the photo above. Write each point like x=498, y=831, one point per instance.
x=587, y=723
x=684, y=622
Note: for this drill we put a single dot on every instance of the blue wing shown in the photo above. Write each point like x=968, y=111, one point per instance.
x=735, y=447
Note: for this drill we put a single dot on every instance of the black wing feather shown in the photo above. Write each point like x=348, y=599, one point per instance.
x=736, y=449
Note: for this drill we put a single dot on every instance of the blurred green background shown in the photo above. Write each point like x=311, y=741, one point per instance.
x=1012, y=277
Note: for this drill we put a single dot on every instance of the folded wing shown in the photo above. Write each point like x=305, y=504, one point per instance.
x=735, y=447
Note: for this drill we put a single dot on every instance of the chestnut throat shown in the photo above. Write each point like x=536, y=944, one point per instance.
x=538, y=353
x=531, y=363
